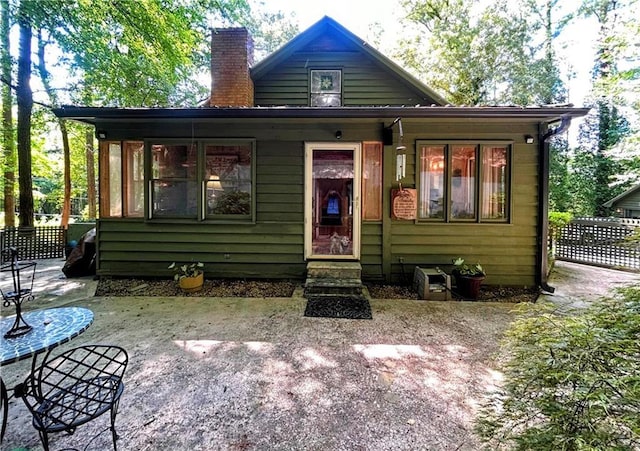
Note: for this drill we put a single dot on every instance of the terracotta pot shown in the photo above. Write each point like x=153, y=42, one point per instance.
x=191, y=284
x=468, y=286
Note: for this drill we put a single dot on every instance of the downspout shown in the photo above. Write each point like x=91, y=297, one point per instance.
x=543, y=203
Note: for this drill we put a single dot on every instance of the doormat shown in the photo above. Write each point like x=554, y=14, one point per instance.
x=350, y=307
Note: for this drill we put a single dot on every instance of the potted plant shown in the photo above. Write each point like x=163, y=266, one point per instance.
x=190, y=276
x=468, y=278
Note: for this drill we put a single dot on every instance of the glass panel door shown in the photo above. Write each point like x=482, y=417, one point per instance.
x=332, y=198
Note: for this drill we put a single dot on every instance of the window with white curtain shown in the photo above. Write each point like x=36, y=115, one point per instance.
x=463, y=182
x=121, y=179
x=494, y=182
x=432, y=178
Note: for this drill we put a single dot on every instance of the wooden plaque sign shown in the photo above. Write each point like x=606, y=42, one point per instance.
x=403, y=204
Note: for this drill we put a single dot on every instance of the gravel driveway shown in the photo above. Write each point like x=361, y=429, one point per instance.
x=255, y=374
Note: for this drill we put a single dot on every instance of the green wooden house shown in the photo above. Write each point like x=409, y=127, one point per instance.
x=627, y=204
x=325, y=150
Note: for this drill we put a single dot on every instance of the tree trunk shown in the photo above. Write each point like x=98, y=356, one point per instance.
x=91, y=175
x=25, y=105
x=8, y=143
x=66, y=152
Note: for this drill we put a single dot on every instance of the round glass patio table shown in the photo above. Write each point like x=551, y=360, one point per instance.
x=51, y=328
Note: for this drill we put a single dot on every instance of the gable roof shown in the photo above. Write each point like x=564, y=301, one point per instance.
x=620, y=197
x=328, y=27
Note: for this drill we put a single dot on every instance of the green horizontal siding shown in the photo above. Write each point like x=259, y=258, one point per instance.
x=250, y=250
x=371, y=251
x=506, y=251
x=273, y=246
x=279, y=182
x=364, y=82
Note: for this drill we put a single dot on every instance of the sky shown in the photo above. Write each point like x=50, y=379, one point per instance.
x=356, y=15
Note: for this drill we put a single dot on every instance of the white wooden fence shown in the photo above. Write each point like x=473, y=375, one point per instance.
x=609, y=242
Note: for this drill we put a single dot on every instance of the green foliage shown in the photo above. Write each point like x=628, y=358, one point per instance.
x=186, y=270
x=484, y=52
x=503, y=52
x=269, y=31
x=593, y=166
x=560, y=198
x=572, y=382
x=581, y=186
x=466, y=269
x=557, y=221
x=123, y=53
x=8, y=154
x=633, y=239
x=131, y=52
x=598, y=173
x=451, y=65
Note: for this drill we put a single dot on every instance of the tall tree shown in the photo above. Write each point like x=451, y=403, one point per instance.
x=269, y=31
x=127, y=53
x=559, y=194
x=8, y=138
x=450, y=64
x=606, y=126
x=45, y=76
x=478, y=53
x=24, y=96
x=145, y=49
x=544, y=73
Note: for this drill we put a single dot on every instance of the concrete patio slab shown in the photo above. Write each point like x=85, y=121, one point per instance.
x=255, y=374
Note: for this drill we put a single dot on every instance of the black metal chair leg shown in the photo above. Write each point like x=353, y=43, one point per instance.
x=5, y=408
x=44, y=438
x=114, y=434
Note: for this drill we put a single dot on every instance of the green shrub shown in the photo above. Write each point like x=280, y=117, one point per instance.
x=633, y=239
x=572, y=382
x=558, y=220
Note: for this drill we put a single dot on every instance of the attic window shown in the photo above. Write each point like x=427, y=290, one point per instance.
x=326, y=88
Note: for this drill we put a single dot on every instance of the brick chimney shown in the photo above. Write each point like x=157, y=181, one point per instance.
x=231, y=58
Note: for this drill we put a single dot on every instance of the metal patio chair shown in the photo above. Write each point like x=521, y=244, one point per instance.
x=77, y=386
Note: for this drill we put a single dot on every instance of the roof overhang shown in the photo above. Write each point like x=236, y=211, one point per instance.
x=93, y=115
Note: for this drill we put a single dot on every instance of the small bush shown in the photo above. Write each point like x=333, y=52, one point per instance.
x=557, y=221
x=572, y=382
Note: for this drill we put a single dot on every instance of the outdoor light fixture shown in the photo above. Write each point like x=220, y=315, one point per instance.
x=339, y=134
x=528, y=139
x=101, y=134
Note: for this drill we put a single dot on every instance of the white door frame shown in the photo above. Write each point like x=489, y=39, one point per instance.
x=309, y=147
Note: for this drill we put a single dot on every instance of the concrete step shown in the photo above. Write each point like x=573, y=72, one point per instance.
x=338, y=297
x=334, y=270
x=333, y=287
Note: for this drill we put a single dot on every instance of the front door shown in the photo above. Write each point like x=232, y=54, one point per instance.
x=332, y=201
